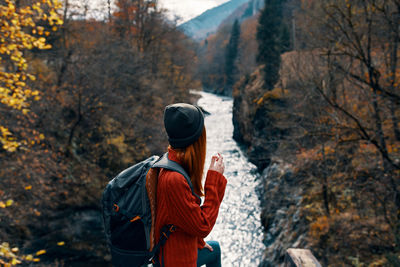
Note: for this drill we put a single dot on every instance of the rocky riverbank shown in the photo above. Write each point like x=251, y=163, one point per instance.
x=281, y=199
x=323, y=187
x=259, y=119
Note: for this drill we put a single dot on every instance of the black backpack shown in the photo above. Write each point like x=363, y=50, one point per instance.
x=129, y=209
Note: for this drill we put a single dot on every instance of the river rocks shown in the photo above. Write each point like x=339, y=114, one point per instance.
x=263, y=121
x=283, y=224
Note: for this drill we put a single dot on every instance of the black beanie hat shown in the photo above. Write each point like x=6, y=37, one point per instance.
x=183, y=124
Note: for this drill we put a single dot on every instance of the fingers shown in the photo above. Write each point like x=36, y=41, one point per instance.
x=217, y=163
x=220, y=160
x=213, y=160
x=210, y=248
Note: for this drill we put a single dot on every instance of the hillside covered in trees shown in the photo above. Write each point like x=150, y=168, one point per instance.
x=321, y=122
x=81, y=99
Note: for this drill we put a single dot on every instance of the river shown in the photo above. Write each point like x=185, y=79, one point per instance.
x=238, y=227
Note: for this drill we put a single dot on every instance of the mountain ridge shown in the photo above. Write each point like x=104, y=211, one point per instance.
x=208, y=22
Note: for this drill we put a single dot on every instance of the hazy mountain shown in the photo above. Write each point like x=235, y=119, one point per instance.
x=243, y=12
x=199, y=27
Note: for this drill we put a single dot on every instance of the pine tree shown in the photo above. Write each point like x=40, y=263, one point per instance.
x=272, y=41
x=231, y=56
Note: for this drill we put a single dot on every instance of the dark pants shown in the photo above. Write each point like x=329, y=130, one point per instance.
x=210, y=258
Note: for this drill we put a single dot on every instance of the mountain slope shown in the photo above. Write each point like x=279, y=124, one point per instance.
x=208, y=22
x=244, y=12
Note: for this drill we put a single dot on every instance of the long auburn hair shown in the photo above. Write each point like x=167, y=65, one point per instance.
x=193, y=158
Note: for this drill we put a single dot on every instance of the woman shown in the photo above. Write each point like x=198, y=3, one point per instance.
x=176, y=204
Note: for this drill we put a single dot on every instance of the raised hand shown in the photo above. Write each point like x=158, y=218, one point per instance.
x=217, y=163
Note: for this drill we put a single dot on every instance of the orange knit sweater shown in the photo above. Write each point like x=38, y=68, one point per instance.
x=176, y=205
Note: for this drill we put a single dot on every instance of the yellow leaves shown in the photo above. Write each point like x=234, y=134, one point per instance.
x=119, y=142
x=40, y=252
x=14, y=40
x=40, y=43
x=61, y=243
x=28, y=257
x=29, y=187
x=10, y=47
x=14, y=261
x=31, y=77
x=6, y=139
x=276, y=93
x=10, y=254
x=40, y=30
x=7, y=204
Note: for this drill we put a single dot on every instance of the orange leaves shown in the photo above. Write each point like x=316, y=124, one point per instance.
x=129, y=10
x=319, y=227
x=393, y=148
x=316, y=153
x=365, y=147
x=308, y=154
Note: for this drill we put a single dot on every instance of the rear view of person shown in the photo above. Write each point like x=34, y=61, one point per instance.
x=176, y=204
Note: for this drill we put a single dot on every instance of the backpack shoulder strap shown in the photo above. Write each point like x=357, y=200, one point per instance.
x=166, y=163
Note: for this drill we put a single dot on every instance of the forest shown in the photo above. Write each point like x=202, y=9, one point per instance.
x=81, y=99
x=315, y=87
x=328, y=111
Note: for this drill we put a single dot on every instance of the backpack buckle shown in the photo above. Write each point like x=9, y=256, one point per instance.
x=116, y=208
x=135, y=219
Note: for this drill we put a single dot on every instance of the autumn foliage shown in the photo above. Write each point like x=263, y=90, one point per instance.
x=214, y=51
x=337, y=105
x=81, y=99
x=20, y=33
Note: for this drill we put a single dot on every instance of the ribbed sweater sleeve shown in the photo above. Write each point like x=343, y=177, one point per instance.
x=200, y=243
x=186, y=212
